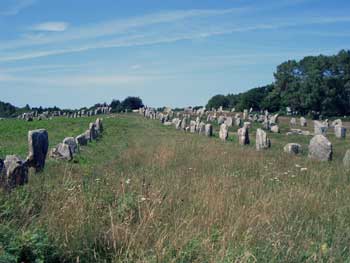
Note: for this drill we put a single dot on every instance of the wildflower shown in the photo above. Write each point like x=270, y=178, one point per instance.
x=297, y=166
x=127, y=181
x=324, y=248
x=304, y=169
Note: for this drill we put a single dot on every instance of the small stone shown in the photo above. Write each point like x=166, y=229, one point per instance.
x=72, y=144
x=62, y=152
x=292, y=148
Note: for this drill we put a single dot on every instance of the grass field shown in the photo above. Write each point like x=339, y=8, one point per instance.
x=149, y=193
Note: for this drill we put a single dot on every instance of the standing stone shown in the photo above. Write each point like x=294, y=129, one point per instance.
x=266, y=124
x=62, y=152
x=229, y=121
x=243, y=136
x=99, y=125
x=221, y=120
x=247, y=124
x=208, y=130
x=337, y=122
x=320, y=148
x=293, y=121
x=346, y=160
x=81, y=139
x=184, y=123
x=238, y=122
x=320, y=128
x=245, y=114
x=201, y=128
x=93, y=132
x=274, y=119
x=38, y=142
x=292, y=148
x=275, y=129
x=193, y=126
x=223, y=134
x=178, y=124
x=340, y=131
x=13, y=172
x=262, y=141
x=303, y=122
x=72, y=144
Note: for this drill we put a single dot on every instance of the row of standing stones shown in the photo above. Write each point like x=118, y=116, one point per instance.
x=14, y=171
x=320, y=148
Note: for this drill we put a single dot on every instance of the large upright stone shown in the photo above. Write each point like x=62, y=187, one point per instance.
x=38, y=143
x=238, y=122
x=184, y=123
x=208, y=130
x=340, y=131
x=243, y=136
x=262, y=141
x=72, y=144
x=274, y=119
x=223, y=133
x=13, y=172
x=337, y=122
x=320, y=148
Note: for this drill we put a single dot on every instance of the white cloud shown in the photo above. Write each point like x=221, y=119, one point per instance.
x=50, y=26
x=17, y=6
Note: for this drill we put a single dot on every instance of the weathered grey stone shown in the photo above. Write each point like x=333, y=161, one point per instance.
x=229, y=121
x=320, y=148
x=303, y=122
x=274, y=119
x=292, y=148
x=247, y=124
x=238, y=122
x=245, y=114
x=346, y=159
x=81, y=139
x=93, y=131
x=184, y=123
x=221, y=120
x=298, y=132
x=262, y=141
x=340, y=131
x=178, y=123
x=337, y=122
x=13, y=172
x=275, y=129
x=38, y=144
x=201, y=128
x=223, y=133
x=208, y=130
x=193, y=126
x=99, y=126
x=62, y=152
x=72, y=144
x=293, y=121
x=320, y=128
x=243, y=136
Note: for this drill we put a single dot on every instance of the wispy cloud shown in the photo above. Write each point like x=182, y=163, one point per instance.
x=50, y=27
x=16, y=6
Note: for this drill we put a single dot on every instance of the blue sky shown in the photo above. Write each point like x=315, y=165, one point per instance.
x=176, y=53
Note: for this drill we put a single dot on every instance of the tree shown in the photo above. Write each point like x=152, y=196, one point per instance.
x=132, y=103
x=218, y=101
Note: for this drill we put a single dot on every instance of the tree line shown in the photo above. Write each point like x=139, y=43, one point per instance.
x=313, y=85
x=7, y=110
